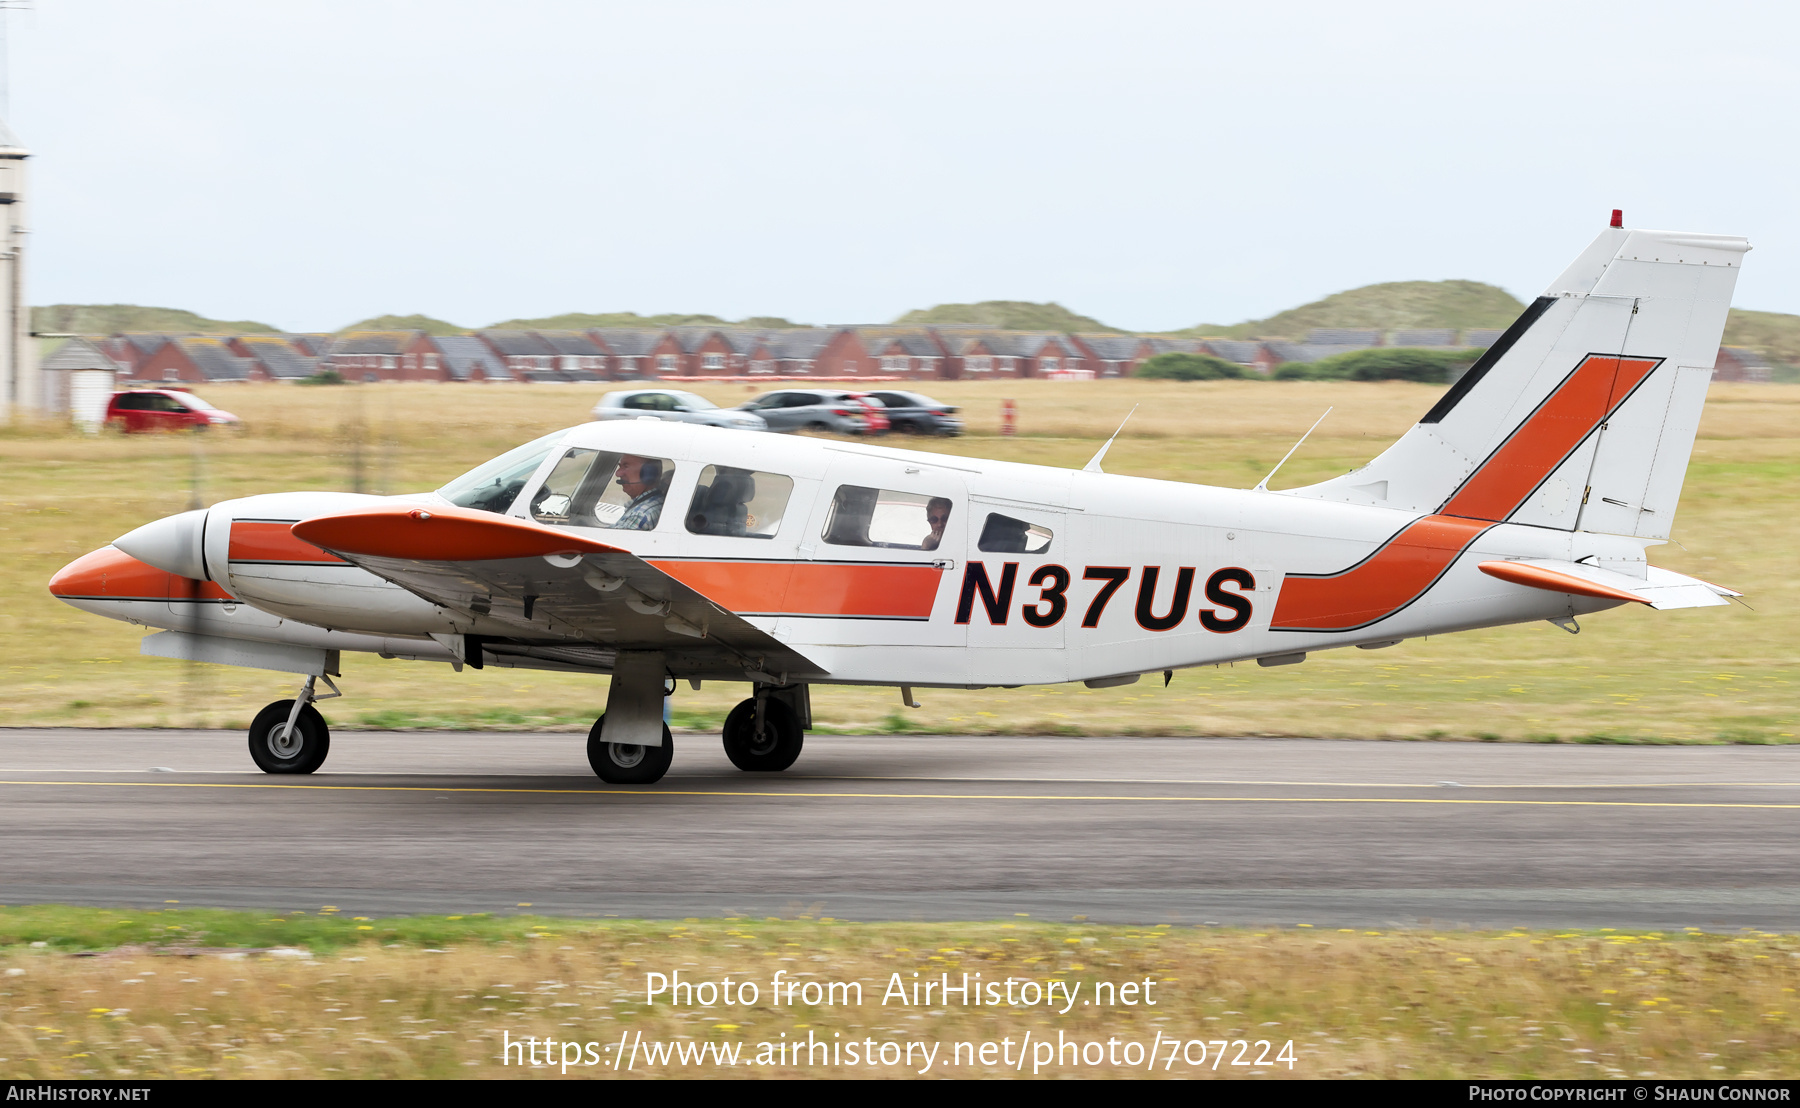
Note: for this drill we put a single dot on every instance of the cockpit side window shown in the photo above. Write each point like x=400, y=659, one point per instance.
x=494, y=485
x=1006, y=535
x=599, y=488
x=742, y=502
x=863, y=516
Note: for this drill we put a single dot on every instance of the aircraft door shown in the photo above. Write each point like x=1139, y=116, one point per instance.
x=880, y=557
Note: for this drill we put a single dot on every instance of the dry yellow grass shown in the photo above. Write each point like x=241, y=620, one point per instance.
x=1704, y=675
x=1353, y=1003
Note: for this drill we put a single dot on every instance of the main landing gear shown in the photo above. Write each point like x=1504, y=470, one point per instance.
x=763, y=733
x=290, y=736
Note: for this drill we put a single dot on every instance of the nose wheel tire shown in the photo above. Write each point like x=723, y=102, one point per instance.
x=628, y=763
x=772, y=749
x=275, y=749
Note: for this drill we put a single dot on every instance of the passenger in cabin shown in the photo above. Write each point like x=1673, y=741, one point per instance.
x=937, y=514
x=641, y=478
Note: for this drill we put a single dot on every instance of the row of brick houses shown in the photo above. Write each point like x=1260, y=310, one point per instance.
x=948, y=352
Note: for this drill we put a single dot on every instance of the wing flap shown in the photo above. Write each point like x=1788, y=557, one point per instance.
x=548, y=585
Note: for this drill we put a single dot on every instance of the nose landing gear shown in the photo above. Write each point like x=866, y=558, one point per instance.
x=290, y=736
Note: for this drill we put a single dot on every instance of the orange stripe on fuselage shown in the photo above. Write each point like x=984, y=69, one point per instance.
x=1510, y=475
x=812, y=588
x=111, y=574
x=1380, y=585
x=259, y=541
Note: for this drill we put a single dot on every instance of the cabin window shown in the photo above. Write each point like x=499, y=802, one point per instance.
x=881, y=517
x=494, y=485
x=745, y=503
x=599, y=488
x=1006, y=535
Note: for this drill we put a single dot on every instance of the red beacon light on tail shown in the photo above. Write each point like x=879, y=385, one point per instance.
x=1618, y=219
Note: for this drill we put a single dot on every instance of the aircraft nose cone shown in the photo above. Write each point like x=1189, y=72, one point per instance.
x=171, y=544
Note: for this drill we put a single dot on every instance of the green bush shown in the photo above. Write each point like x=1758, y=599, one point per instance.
x=1389, y=363
x=323, y=377
x=1293, y=371
x=1189, y=367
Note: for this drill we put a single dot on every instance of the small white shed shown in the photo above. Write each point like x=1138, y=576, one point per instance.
x=78, y=381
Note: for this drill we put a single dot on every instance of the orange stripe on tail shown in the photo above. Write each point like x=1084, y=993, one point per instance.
x=1513, y=472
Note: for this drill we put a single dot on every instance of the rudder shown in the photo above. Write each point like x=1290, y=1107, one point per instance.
x=1582, y=416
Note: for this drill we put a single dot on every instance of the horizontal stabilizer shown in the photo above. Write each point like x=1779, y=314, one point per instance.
x=1661, y=589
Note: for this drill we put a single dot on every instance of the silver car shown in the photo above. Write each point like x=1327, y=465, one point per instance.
x=676, y=407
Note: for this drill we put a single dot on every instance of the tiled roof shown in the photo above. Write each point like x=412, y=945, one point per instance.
x=374, y=342
x=464, y=354
x=1243, y=353
x=626, y=341
x=518, y=343
x=79, y=354
x=215, y=360
x=1174, y=346
x=692, y=338
x=146, y=343
x=1113, y=348
x=802, y=344
x=570, y=342
x=1435, y=336
x=1309, y=351
x=278, y=357
x=1342, y=336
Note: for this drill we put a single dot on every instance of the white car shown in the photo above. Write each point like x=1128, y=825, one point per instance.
x=675, y=406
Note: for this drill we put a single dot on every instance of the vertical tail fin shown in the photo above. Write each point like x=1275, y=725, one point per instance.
x=1582, y=415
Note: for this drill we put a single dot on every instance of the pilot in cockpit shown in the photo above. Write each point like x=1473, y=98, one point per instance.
x=641, y=478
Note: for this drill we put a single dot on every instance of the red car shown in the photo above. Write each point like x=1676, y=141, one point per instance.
x=875, y=420
x=163, y=410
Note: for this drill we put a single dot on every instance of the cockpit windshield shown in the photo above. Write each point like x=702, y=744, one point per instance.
x=494, y=485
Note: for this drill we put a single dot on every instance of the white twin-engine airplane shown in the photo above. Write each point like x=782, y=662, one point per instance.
x=659, y=552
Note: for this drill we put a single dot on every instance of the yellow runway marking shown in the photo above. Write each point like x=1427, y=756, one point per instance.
x=909, y=796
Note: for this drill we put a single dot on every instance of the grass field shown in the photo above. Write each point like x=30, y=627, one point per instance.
x=1705, y=675
x=434, y=996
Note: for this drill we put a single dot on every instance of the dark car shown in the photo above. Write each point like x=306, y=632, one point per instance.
x=833, y=410
x=912, y=413
x=163, y=410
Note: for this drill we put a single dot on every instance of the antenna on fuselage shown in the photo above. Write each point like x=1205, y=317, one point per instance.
x=1263, y=485
x=1093, y=465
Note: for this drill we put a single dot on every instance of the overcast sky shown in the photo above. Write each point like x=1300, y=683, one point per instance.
x=1155, y=165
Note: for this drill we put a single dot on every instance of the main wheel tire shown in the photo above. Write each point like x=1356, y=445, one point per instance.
x=771, y=751
x=274, y=750
x=628, y=763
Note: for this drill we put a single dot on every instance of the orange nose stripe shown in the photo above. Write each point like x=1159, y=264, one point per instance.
x=111, y=574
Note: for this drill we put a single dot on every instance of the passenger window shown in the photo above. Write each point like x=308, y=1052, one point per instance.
x=635, y=403
x=741, y=502
x=597, y=488
x=1006, y=535
x=801, y=400
x=881, y=517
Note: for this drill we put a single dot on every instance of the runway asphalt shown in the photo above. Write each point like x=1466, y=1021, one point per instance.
x=1193, y=831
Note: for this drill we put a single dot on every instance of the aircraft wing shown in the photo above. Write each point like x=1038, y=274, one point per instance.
x=1662, y=589
x=551, y=585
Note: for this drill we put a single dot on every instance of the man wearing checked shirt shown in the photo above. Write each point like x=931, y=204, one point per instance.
x=641, y=478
